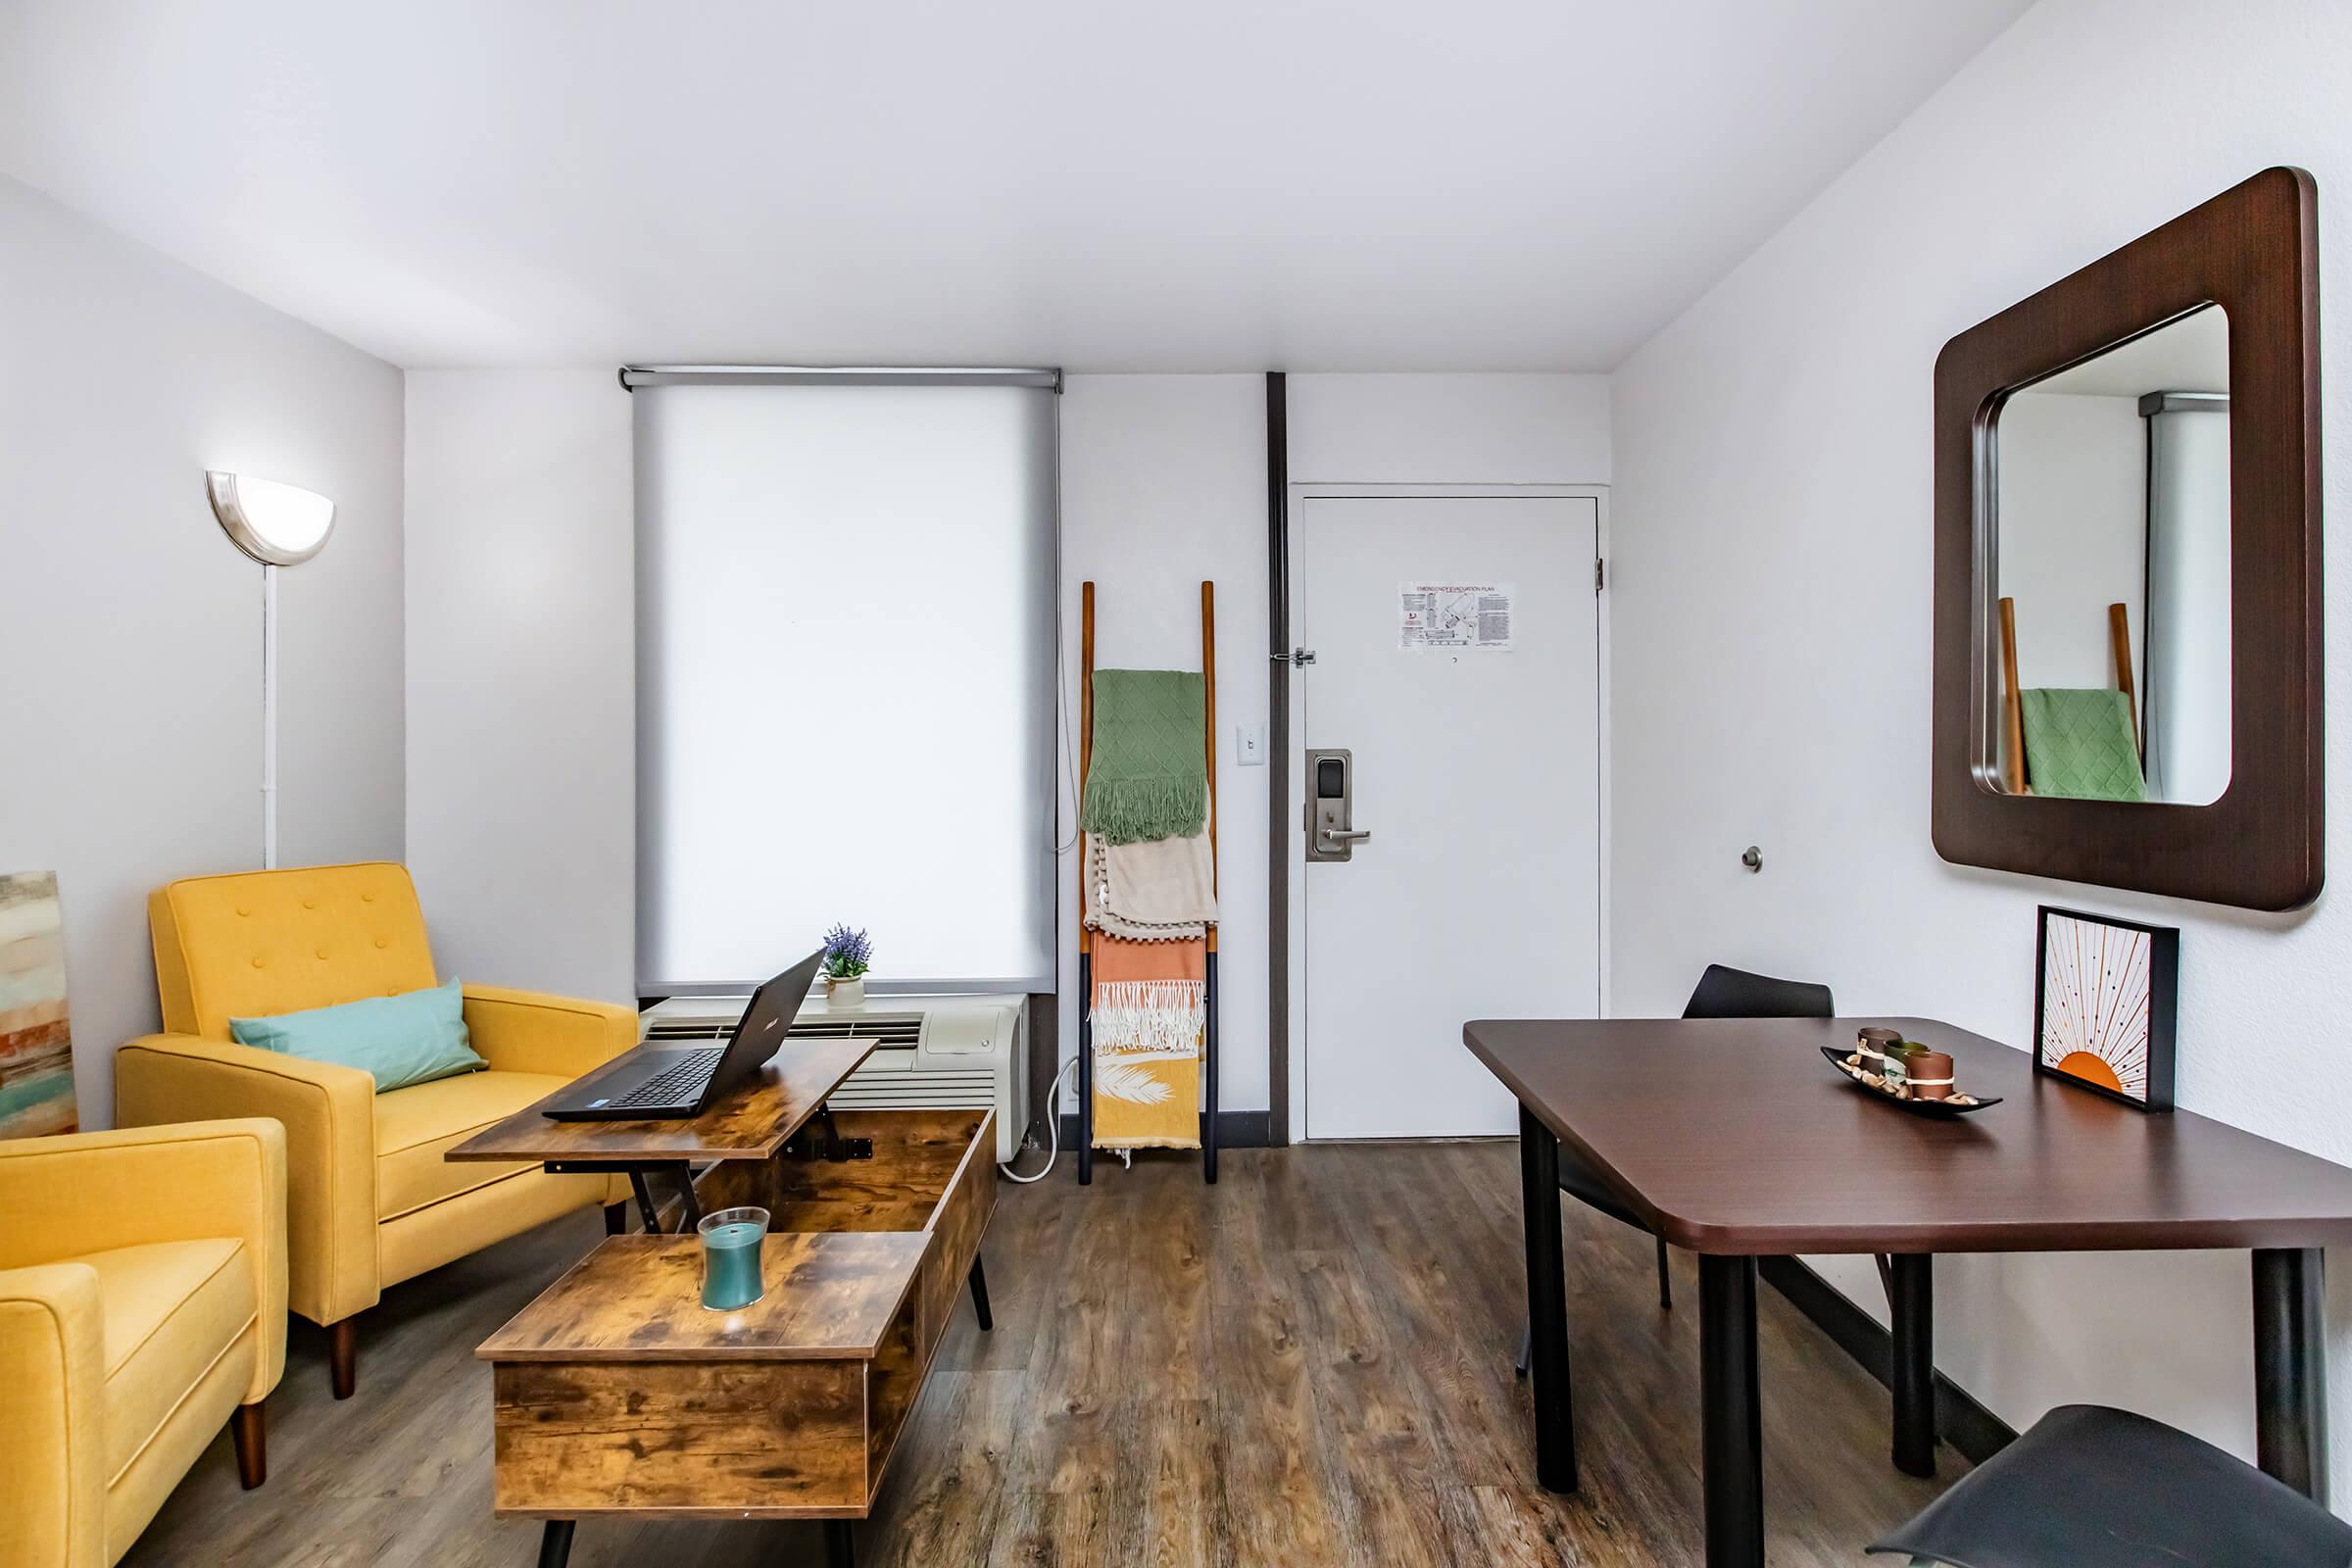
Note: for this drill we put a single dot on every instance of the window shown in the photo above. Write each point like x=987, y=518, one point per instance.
x=847, y=697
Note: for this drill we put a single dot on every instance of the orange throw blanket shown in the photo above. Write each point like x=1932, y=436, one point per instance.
x=1150, y=1006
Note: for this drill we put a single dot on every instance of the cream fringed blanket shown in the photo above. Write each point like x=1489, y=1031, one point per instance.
x=1150, y=1004
x=1161, y=891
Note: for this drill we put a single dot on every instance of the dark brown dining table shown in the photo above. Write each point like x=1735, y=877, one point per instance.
x=1736, y=1140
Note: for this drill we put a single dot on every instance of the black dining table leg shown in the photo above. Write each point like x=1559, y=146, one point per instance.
x=1911, y=1300
x=1547, y=1304
x=1732, y=1444
x=2290, y=1368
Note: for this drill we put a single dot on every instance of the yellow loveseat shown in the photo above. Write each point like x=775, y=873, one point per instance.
x=142, y=1303
x=370, y=1200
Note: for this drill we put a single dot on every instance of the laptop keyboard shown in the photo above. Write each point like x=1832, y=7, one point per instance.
x=675, y=1086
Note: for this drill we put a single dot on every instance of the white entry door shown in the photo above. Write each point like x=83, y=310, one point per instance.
x=1476, y=772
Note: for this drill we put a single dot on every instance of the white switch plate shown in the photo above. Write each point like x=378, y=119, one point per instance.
x=1249, y=745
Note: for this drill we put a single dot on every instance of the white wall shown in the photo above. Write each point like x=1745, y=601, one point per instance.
x=521, y=676
x=1163, y=485
x=521, y=812
x=1450, y=429
x=1773, y=522
x=131, y=725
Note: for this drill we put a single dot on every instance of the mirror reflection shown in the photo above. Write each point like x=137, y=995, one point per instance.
x=2111, y=551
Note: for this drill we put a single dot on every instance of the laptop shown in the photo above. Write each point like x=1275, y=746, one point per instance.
x=669, y=1084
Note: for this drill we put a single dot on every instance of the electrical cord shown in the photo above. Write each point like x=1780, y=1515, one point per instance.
x=1053, y=1129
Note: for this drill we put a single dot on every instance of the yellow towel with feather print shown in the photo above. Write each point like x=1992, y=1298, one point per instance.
x=1150, y=1008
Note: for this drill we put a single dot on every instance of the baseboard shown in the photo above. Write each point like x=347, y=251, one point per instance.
x=1960, y=1420
x=1236, y=1129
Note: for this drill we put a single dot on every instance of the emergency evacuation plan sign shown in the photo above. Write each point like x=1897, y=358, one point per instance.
x=1454, y=614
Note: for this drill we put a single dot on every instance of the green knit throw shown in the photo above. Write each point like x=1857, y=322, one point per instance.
x=2079, y=745
x=1146, y=778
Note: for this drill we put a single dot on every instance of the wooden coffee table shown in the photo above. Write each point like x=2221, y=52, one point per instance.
x=749, y=1123
x=619, y=1394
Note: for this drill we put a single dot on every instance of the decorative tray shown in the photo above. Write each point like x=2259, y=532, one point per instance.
x=1944, y=1109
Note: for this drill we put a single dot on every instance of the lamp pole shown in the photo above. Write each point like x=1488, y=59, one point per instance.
x=268, y=716
x=277, y=524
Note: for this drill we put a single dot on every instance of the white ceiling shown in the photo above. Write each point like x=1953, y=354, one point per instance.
x=1101, y=184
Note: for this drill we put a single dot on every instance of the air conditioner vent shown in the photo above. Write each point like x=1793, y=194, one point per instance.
x=902, y=1029
x=906, y=1029
x=930, y=1052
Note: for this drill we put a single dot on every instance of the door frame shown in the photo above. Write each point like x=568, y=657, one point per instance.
x=1294, y=1068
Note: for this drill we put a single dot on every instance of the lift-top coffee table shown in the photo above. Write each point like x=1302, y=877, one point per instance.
x=619, y=1394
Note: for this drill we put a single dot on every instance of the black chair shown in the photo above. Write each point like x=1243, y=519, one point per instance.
x=1721, y=993
x=2095, y=1488
x=1727, y=993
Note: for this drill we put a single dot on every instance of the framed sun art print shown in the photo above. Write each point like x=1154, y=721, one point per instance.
x=2104, y=1005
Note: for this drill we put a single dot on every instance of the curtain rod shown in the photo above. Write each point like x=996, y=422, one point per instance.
x=2184, y=403
x=633, y=376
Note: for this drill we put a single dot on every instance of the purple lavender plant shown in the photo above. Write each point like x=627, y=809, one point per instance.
x=847, y=953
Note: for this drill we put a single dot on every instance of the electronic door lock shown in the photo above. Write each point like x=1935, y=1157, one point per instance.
x=1330, y=830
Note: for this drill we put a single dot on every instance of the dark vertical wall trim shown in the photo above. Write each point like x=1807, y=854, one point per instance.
x=1045, y=1061
x=1278, y=761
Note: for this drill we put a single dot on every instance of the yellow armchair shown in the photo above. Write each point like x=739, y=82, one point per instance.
x=370, y=1200
x=142, y=1305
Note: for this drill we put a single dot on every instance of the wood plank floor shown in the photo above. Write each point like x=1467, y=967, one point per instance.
x=1307, y=1364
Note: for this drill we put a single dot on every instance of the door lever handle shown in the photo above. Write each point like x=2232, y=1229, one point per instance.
x=1345, y=835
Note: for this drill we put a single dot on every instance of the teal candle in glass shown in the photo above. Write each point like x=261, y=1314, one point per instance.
x=731, y=1240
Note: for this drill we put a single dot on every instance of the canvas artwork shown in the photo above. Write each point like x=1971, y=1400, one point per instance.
x=36, y=1045
x=2104, y=1005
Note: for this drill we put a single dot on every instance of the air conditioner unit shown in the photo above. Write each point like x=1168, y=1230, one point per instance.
x=932, y=1052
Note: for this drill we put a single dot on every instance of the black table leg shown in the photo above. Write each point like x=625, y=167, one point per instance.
x=2290, y=1368
x=1546, y=1303
x=646, y=1209
x=617, y=1219
x=1733, y=1443
x=840, y=1548
x=980, y=1295
x=1911, y=1297
x=554, y=1544
x=690, y=1209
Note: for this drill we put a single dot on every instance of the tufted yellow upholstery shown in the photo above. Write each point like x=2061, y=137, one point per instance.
x=263, y=943
x=370, y=1200
x=143, y=1299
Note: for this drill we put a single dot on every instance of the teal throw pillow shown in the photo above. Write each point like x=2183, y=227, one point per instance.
x=410, y=1039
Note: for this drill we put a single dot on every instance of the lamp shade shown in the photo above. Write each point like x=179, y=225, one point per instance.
x=276, y=523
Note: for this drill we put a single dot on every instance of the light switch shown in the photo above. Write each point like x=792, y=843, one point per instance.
x=1249, y=745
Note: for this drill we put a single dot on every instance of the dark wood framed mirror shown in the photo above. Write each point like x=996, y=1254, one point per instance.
x=2128, y=665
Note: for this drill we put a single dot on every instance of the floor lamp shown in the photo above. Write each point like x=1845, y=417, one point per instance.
x=279, y=525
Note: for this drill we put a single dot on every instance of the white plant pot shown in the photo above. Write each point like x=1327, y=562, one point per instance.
x=840, y=993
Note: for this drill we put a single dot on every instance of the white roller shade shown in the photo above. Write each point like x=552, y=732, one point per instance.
x=846, y=681
x=2187, y=701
